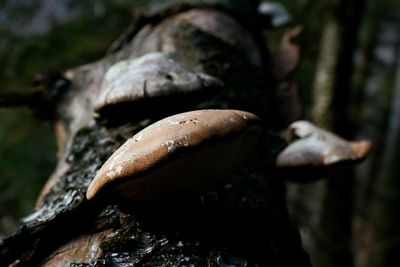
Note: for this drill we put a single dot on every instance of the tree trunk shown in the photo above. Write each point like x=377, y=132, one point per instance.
x=241, y=223
x=329, y=204
x=378, y=230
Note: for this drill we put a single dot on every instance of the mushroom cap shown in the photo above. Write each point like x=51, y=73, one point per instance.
x=150, y=76
x=183, y=154
x=318, y=152
x=278, y=13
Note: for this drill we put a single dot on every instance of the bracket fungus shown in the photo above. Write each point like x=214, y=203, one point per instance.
x=277, y=13
x=180, y=155
x=152, y=76
x=315, y=152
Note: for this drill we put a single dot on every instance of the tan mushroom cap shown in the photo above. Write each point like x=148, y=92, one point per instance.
x=182, y=154
x=319, y=150
x=152, y=75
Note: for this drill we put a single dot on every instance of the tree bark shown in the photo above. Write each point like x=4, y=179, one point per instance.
x=241, y=223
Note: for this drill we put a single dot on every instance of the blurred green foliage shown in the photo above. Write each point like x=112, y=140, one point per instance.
x=27, y=156
x=27, y=145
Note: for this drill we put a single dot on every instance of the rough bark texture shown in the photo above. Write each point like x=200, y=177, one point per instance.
x=241, y=223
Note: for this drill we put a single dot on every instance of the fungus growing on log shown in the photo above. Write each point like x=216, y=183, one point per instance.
x=152, y=76
x=315, y=153
x=180, y=155
x=276, y=12
x=287, y=56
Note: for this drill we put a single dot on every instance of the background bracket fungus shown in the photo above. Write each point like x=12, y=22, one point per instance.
x=314, y=153
x=136, y=185
x=186, y=153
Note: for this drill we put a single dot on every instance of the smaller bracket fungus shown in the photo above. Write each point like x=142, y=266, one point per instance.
x=315, y=153
x=277, y=13
x=152, y=76
x=184, y=154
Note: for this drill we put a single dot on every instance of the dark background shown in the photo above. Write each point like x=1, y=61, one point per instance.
x=349, y=80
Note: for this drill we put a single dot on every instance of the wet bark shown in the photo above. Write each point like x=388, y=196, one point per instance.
x=241, y=223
